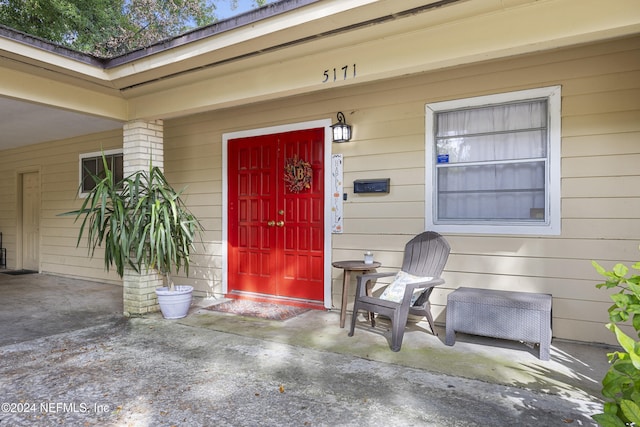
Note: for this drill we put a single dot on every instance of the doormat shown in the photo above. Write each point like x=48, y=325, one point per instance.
x=262, y=310
x=19, y=272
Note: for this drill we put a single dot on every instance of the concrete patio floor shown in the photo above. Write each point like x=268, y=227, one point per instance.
x=66, y=350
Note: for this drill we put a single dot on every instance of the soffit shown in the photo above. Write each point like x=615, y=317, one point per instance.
x=24, y=123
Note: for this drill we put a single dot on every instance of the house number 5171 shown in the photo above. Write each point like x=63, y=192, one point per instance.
x=348, y=71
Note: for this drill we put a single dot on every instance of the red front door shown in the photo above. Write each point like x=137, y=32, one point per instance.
x=276, y=233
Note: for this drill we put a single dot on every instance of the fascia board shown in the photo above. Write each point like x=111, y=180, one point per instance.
x=50, y=60
x=23, y=86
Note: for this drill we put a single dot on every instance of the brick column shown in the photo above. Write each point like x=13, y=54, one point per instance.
x=142, y=144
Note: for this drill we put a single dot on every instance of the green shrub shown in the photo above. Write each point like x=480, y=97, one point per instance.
x=621, y=384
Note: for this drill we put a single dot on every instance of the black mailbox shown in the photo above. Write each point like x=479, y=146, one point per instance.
x=371, y=185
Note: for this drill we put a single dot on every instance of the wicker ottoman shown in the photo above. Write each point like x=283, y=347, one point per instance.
x=520, y=316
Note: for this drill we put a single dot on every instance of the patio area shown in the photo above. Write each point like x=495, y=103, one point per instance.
x=65, y=345
x=575, y=370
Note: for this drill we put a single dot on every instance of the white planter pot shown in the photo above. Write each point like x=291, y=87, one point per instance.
x=174, y=304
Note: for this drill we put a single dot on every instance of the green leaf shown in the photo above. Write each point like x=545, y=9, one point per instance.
x=631, y=411
x=627, y=343
x=618, y=316
x=600, y=269
x=636, y=322
x=634, y=285
x=622, y=299
x=620, y=270
x=614, y=383
x=608, y=420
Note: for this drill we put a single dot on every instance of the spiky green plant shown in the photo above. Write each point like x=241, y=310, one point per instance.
x=140, y=222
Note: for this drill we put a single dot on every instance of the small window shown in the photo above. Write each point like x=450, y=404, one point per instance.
x=493, y=164
x=92, y=164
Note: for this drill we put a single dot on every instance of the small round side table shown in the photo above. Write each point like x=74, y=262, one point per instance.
x=348, y=267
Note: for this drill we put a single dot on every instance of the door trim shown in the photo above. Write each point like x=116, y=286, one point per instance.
x=324, y=123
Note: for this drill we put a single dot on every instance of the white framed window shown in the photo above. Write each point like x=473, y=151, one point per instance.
x=493, y=163
x=91, y=164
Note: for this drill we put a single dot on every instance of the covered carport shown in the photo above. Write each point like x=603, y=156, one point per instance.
x=35, y=306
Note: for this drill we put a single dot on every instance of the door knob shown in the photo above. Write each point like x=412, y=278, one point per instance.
x=271, y=223
x=280, y=223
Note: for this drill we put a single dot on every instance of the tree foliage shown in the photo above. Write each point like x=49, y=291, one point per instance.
x=108, y=28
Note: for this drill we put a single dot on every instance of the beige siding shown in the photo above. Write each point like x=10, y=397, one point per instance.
x=57, y=163
x=600, y=175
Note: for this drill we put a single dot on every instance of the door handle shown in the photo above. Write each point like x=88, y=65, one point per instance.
x=280, y=223
x=271, y=223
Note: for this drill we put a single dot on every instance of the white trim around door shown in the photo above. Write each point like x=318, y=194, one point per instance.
x=326, y=124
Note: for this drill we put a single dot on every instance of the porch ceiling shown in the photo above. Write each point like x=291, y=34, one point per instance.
x=24, y=123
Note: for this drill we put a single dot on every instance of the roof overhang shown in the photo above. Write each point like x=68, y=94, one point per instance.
x=284, y=49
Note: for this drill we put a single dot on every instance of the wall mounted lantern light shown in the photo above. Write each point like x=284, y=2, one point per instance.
x=341, y=130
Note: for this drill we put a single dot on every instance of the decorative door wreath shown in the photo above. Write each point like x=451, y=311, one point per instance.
x=297, y=174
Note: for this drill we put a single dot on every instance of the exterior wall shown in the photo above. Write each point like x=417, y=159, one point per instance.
x=600, y=179
x=57, y=163
x=600, y=176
